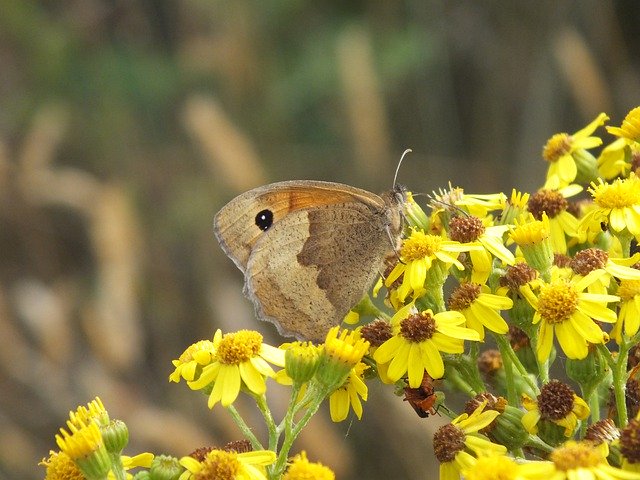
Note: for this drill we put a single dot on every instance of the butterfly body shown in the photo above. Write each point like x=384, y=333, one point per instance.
x=309, y=250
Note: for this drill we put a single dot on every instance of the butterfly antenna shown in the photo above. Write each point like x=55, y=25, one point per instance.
x=395, y=177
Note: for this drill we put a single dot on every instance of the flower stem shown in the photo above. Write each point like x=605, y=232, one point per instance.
x=244, y=428
x=509, y=355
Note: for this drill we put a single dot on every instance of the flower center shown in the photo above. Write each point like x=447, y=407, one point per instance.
x=556, y=147
x=555, y=400
x=447, y=442
x=238, y=347
x=376, y=332
x=557, y=302
x=219, y=464
x=465, y=229
x=419, y=245
x=576, y=456
x=628, y=289
x=549, y=201
x=463, y=296
x=418, y=327
x=588, y=260
x=517, y=275
x=620, y=193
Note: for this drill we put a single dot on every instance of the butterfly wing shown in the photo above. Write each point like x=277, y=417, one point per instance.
x=316, y=260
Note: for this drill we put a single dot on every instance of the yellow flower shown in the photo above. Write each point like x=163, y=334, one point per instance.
x=558, y=404
x=224, y=465
x=617, y=204
x=480, y=308
x=85, y=447
x=60, y=467
x=513, y=207
x=349, y=394
x=562, y=224
x=418, y=339
x=564, y=152
x=302, y=469
x=190, y=363
x=614, y=159
x=494, y=467
x=629, y=315
x=341, y=352
x=469, y=230
x=586, y=261
x=564, y=309
x=458, y=445
x=240, y=359
x=534, y=239
x=630, y=128
x=575, y=460
x=420, y=253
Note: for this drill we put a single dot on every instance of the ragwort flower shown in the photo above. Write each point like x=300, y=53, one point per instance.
x=458, y=444
x=629, y=314
x=418, y=339
x=240, y=360
x=349, y=395
x=421, y=253
x=566, y=152
x=228, y=465
x=558, y=404
x=554, y=204
x=300, y=468
x=563, y=309
x=630, y=128
x=617, y=204
x=480, y=308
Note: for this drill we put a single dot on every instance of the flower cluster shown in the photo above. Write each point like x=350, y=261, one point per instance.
x=485, y=297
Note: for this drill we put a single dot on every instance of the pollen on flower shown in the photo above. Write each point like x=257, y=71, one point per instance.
x=465, y=229
x=220, y=464
x=419, y=245
x=529, y=231
x=556, y=147
x=447, y=442
x=575, y=456
x=60, y=466
x=588, y=260
x=620, y=193
x=628, y=289
x=550, y=202
x=239, y=347
x=418, y=327
x=463, y=296
x=557, y=302
x=555, y=400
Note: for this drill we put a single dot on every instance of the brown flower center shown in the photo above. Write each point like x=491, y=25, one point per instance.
x=549, y=201
x=418, y=327
x=588, y=260
x=555, y=400
x=447, y=442
x=465, y=229
x=463, y=296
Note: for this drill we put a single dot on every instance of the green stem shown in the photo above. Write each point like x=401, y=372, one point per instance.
x=591, y=396
x=618, y=367
x=244, y=428
x=509, y=355
x=116, y=466
x=261, y=402
x=535, y=442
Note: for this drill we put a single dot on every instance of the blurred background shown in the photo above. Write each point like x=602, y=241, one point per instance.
x=125, y=125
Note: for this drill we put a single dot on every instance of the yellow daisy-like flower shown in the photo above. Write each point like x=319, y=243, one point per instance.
x=480, y=308
x=630, y=128
x=479, y=205
x=513, y=207
x=629, y=314
x=617, y=204
x=240, y=359
x=418, y=339
x=533, y=237
x=349, y=395
x=470, y=230
x=563, y=309
x=341, y=352
x=562, y=224
x=563, y=151
x=576, y=460
x=60, y=467
x=84, y=446
x=494, y=467
x=614, y=160
x=190, y=363
x=420, y=253
x=301, y=468
x=458, y=445
x=223, y=465
x=586, y=261
x=556, y=403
